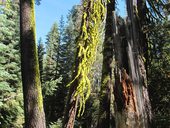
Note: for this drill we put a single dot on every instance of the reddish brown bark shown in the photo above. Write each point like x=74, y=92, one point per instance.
x=71, y=111
x=128, y=92
x=131, y=96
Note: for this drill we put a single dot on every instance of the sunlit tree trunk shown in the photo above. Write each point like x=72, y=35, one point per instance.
x=131, y=95
x=87, y=41
x=33, y=101
x=72, y=101
x=104, y=119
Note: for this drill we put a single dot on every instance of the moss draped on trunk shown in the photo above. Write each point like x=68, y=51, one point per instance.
x=87, y=41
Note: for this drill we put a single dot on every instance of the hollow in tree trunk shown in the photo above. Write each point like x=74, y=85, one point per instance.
x=131, y=96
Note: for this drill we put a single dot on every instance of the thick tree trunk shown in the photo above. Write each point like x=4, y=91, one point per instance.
x=87, y=45
x=104, y=119
x=131, y=96
x=33, y=101
x=72, y=101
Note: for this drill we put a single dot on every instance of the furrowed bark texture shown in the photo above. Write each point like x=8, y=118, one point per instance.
x=105, y=119
x=131, y=95
x=33, y=101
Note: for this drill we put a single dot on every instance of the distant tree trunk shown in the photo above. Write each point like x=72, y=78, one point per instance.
x=104, y=119
x=131, y=95
x=33, y=101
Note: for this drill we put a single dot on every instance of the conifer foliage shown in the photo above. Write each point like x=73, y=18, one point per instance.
x=93, y=70
x=11, y=105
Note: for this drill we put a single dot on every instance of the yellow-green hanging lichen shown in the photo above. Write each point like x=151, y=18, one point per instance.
x=93, y=15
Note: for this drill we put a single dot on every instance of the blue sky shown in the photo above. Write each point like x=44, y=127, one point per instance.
x=50, y=11
x=121, y=7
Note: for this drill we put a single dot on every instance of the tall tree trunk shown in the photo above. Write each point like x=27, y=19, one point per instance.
x=72, y=101
x=131, y=96
x=87, y=41
x=33, y=101
x=104, y=119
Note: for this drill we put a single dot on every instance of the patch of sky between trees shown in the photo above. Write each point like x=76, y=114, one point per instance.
x=43, y=30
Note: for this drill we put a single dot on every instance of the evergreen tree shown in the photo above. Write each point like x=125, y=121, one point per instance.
x=66, y=55
x=158, y=73
x=63, y=67
x=65, y=62
x=61, y=29
x=61, y=91
x=50, y=73
x=33, y=101
x=61, y=48
x=50, y=61
x=51, y=57
x=41, y=52
x=11, y=105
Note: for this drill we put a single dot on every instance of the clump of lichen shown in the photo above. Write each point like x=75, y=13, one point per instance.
x=93, y=15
